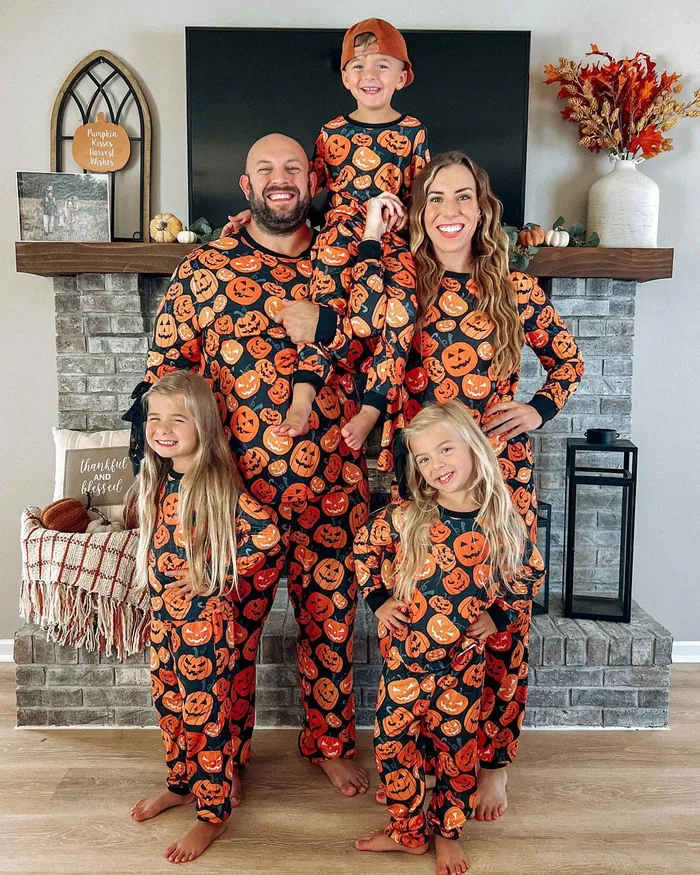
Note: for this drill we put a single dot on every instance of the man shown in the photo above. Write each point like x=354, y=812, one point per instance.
x=220, y=317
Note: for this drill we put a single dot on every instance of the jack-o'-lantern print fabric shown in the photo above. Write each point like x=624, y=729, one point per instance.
x=217, y=318
x=374, y=325
x=195, y=653
x=356, y=161
x=430, y=692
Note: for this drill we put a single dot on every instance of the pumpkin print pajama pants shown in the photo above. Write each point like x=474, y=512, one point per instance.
x=217, y=318
x=195, y=656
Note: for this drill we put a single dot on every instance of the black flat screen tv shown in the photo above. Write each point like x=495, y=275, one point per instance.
x=470, y=90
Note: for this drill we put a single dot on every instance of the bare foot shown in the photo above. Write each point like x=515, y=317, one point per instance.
x=235, y=794
x=194, y=842
x=145, y=809
x=380, y=841
x=296, y=421
x=380, y=792
x=357, y=430
x=450, y=857
x=491, y=799
x=346, y=775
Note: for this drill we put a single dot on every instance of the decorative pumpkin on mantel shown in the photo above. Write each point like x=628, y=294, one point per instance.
x=531, y=235
x=186, y=237
x=165, y=227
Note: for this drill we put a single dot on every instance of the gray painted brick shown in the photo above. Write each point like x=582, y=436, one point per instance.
x=101, y=345
x=70, y=345
x=615, y=406
x=621, y=307
x=79, y=717
x=548, y=697
x=135, y=658
x=135, y=717
x=76, y=421
x=620, y=644
x=117, y=696
x=653, y=698
x=102, y=403
x=582, y=307
x=44, y=651
x=66, y=655
x=88, y=657
x=619, y=327
x=131, y=364
x=278, y=717
x=604, y=697
x=31, y=717
x=22, y=650
x=624, y=288
x=71, y=383
x=28, y=698
x=92, y=364
x=663, y=648
x=573, y=676
x=91, y=281
x=365, y=718
x=63, y=285
x=111, y=304
x=637, y=676
x=561, y=287
x=617, y=367
x=70, y=325
x=96, y=325
x=273, y=697
x=635, y=718
x=276, y=676
x=122, y=282
x=583, y=716
x=124, y=676
x=599, y=288
x=642, y=647
x=127, y=325
x=114, y=384
x=80, y=675
x=535, y=649
x=30, y=676
x=62, y=697
x=100, y=421
x=66, y=305
x=591, y=327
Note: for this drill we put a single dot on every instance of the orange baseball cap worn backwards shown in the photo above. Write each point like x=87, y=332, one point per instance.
x=389, y=42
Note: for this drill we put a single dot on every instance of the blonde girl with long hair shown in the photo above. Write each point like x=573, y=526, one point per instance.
x=196, y=523
x=443, y=569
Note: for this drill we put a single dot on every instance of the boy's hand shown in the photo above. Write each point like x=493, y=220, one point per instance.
x=393, y=614
x=299, y=319
x=384, y=213
x=482, y=627
x=235, y=223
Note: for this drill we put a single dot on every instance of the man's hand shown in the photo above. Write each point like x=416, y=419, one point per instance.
x=299, y=319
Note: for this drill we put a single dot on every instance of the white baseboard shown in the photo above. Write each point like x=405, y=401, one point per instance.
x=686, y=651
x=6, y=645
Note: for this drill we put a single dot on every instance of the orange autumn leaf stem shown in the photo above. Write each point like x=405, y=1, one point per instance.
x=622, y=106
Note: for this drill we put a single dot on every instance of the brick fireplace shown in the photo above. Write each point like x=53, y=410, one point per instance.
x=584, y=673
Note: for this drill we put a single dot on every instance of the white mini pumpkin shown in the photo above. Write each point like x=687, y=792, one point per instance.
x=556, y=237
x=186, y=237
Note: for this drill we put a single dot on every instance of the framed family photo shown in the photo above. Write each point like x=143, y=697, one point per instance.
x=63, y=207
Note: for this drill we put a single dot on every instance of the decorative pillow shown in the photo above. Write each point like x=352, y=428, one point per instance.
x=98, y=461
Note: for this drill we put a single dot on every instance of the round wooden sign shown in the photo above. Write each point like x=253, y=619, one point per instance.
x=101, y=146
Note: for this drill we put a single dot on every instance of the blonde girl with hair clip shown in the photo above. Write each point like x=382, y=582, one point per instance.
x=441, y=568
x=194, y=519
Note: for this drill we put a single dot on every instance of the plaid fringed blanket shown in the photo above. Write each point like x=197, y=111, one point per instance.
x=80, y=588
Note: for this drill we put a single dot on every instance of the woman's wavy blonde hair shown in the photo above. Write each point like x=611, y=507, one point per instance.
x=208, y=491
x=498, y=519
x=490, y=260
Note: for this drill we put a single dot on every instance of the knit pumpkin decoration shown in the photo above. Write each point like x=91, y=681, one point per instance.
x=65, y=515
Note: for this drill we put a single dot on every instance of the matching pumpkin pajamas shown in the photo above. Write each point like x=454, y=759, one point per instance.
x=356, y=161
x=197, y=680
x=217, y=319
x=429, y=702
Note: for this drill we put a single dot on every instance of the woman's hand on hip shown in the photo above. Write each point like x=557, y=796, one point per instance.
x=509, y=419
x=384, y=213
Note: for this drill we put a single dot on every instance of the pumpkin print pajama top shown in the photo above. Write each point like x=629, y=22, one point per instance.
x=216, y=318
x=356, y=161
x=433, y=672
x=196, y=649
x=451, y=358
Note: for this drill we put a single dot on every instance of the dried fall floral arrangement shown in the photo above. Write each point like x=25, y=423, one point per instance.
x=624, y=107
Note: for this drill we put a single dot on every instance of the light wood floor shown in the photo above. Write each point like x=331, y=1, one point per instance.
x=580, y=802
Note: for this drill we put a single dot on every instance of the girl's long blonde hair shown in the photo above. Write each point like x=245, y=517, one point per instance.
x=208, y=491
x=490, y=270
x=499, y=520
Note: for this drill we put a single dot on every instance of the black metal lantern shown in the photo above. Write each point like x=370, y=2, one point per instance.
x=540, y=604
x=599, y=529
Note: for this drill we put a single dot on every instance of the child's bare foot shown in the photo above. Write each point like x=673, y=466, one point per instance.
x=450, y=857
x=235, y=794
x=194, y=842
x=380, y=792
x=145, y=809
x=296, y=422
x=491, y=799
x=346, y=775
x=379, y=841
x=357, y=430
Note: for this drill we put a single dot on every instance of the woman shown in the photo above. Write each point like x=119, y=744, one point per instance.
x=473, y=317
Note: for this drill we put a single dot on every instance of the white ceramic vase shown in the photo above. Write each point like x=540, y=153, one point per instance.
x=623, y=207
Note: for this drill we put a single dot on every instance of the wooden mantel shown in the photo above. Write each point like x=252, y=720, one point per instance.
x=61, y=259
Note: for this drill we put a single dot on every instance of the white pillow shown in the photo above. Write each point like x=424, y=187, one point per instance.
x=65, y=440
